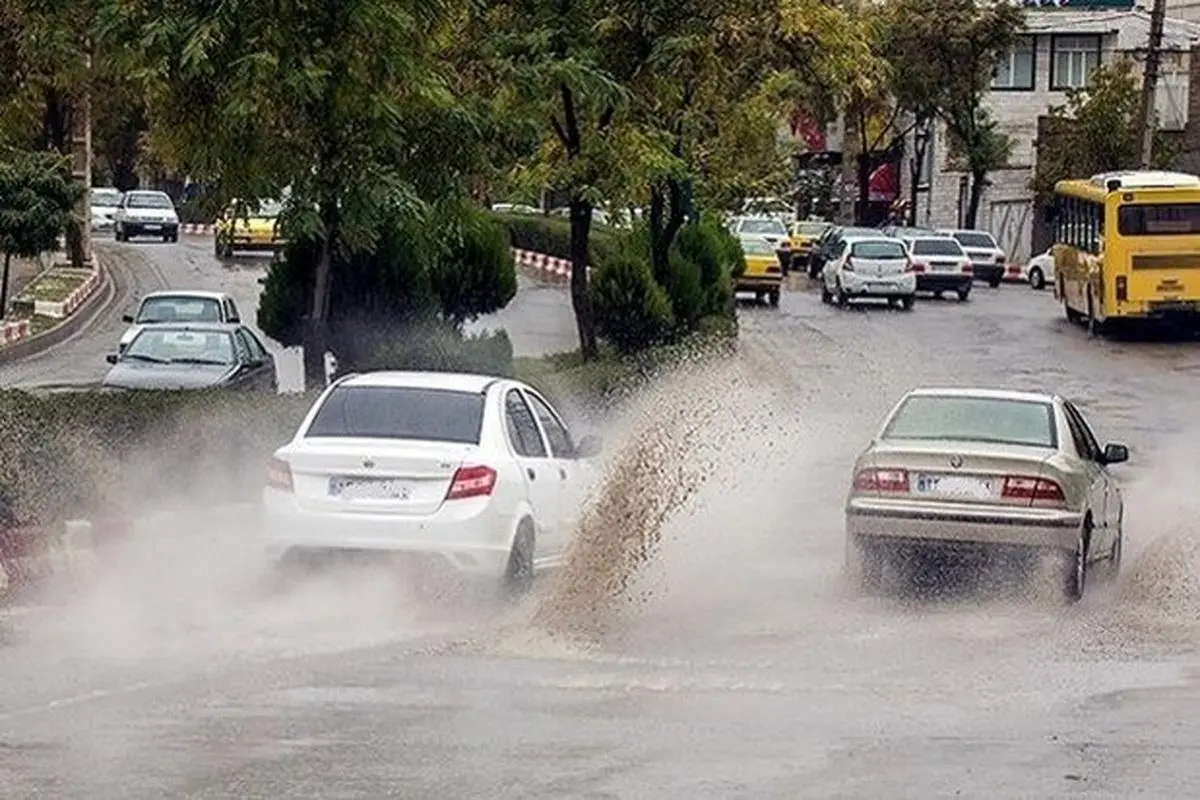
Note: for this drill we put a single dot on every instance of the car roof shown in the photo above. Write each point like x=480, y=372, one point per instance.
x=147, y=191
x=986, y=394
x=875, y=237
x=952, y=231
x=449, y=381
x=200, y=293
x=924, y=237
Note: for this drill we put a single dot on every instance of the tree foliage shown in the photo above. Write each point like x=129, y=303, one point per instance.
x=36, y=202
x=950, y=49
x=1095, y=130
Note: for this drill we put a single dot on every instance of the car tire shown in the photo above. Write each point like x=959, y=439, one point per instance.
x=826, y=295
x=1037, y=280
x=843, y=299
x=518, y=574
x=994, y=283
x=814, y=269
x=963, y=294
x=939, y=294
x=1076, y=568
x=773, y=298
x=864, y=565
x=118, y=235
x=908, y=302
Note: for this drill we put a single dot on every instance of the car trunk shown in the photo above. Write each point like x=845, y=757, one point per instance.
x=878, y=267
x=759, y=266
x=967, y=472
x=375, y=475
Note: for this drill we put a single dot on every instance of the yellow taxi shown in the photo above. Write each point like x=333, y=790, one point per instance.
x=764, y=271
x=804, y=234
x=242, y=228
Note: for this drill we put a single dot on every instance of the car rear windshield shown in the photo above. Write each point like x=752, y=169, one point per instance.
x=772, y=227
x=179, y=309
x=974, y=419
x=936, y=247
x=758, y=247
x=400, y=412
x=149, y=201
x=811, y=228
x=975, y=239
x=105, y=197
x=886, y=250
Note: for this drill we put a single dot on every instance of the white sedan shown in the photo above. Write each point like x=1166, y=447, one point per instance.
x=476, y=472
x=1040, y=270
x=981, y=471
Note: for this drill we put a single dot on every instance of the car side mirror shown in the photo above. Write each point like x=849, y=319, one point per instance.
x=1115, y=453
x=111, y=358
x=127, y=318
x=588, y=447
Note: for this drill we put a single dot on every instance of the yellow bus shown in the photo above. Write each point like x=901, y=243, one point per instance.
x=1127, y=247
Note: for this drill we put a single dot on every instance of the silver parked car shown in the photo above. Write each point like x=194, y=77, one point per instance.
x=978, y=468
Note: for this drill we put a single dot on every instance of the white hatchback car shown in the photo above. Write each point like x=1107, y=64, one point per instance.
x=476, y=472
x=877, y=267
x=1040, y=270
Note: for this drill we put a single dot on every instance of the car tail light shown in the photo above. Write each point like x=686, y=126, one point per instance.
x=849, y=265
x=967, y=267
x=1122, y=288
x=774, y=271
x=279, y=475
x=915, y=266
x=882, y=480
x=473, y=481
x=1038, y=491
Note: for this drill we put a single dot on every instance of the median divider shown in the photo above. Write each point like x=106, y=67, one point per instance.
x=547, y=266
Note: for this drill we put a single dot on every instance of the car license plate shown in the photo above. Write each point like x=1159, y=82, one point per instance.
x=963, y=486
x=943, y=267
x=369, y=489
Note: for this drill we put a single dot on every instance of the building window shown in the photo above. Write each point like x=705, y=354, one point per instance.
x=1073, y=59
x=1016, y=67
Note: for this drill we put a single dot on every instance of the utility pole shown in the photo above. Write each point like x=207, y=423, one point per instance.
x=1146, y=114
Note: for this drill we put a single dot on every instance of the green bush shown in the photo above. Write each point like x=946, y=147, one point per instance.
x=475, y=273
x=92, y=453
x=718, y=258
x=632, y=311
x=440, y=348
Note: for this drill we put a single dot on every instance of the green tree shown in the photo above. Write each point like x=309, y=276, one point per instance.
x=36, y=202
x=332, y=101
x=1094, y=131
x=959, y=43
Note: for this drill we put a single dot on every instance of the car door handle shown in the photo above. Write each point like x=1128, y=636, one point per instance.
x=532, y=475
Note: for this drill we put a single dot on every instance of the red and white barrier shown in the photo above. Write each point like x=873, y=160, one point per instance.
x=551, y=266
x=13, y=332
x=193, y=229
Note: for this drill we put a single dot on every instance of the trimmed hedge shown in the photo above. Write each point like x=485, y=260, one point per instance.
x=552, y=236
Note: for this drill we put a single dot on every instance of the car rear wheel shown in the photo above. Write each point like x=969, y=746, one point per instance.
x=994, y=283
x=864, y=562
x=963, y=294
x=1036, y=279
x=773, y=297
x=908, y=302
x=1075, y=570
x=843, y=299
x=518, y=575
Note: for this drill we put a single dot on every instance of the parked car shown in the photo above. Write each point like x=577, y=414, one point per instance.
x=197, y=355
x=254, y=229
x=145, y=213
x=980, y=470
x=806, y=234
x=941, y=265
x=825, y=247
x=987, y=257
x=1040, y=270
x=103, y=203
x=190, y=305
x=904, y=232
x=476, y=472
x=873, y=267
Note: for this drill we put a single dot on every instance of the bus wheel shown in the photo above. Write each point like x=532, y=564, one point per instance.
x=1093, y=324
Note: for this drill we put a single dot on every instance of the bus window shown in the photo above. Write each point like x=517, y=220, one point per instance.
x=1159, y=219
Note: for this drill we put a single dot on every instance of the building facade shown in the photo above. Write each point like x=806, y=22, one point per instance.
x=1058, y=50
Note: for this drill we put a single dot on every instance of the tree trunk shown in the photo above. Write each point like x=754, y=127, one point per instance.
x=978, y=183
x=664, y=229
x=581, y=298
x=920, y=148
x=4, y=286
x=316, y=329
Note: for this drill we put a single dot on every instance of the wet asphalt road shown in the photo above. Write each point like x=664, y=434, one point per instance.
x=745, y=670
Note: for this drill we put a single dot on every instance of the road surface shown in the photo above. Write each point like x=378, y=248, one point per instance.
x=742, y=670
x=538, y=320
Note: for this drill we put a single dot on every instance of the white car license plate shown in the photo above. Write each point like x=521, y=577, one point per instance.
x=879, y=285
x=964, y=486
x=152, y=227
x=369, y=489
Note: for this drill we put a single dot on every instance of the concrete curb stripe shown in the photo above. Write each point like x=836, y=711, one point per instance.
x=557, y=267
x=12, y=332
x=67, y=307
x=193, y=229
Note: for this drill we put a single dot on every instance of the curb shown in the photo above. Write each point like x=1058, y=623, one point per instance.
x=64, y=308
x=84, y=312
x=13, y=332
x=192, y=229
